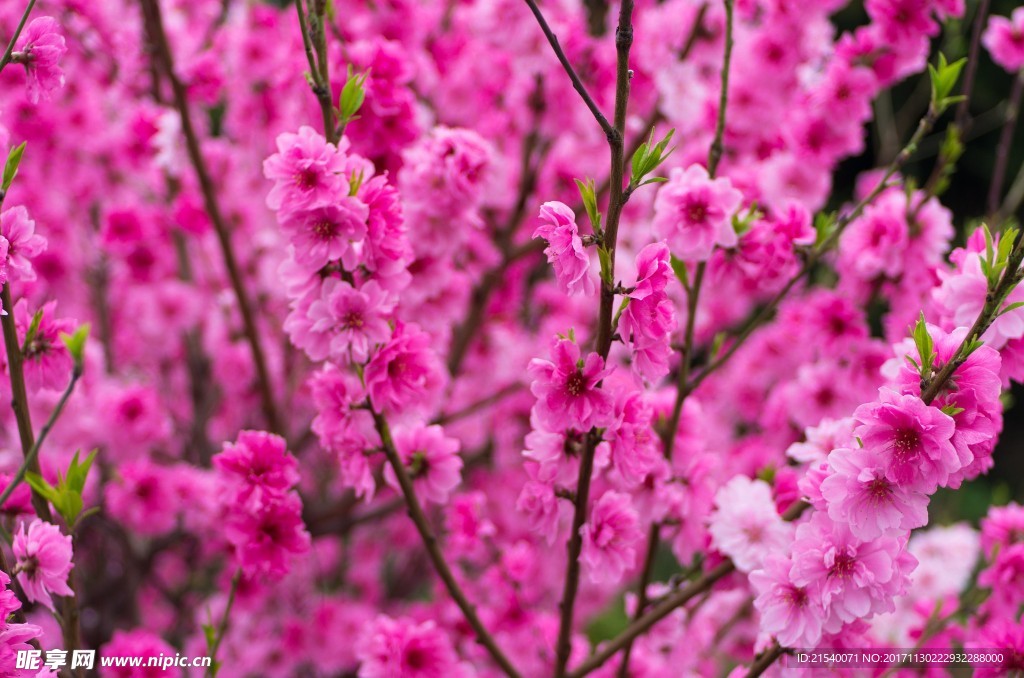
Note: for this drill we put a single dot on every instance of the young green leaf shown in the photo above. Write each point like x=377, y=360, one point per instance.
x=589, y=196
x=11, y=166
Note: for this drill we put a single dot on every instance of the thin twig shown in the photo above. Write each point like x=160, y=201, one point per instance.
x=692, y=299
x=151, y=9
x=1005, y=142
x=9, y=52
x=222, y=628
x=444, y=571
x=765, y=659
x=577, y=84
x=616, y=200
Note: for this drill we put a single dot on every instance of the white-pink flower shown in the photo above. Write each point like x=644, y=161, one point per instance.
x=745, y=525
x=610, y=538
x=43, y=561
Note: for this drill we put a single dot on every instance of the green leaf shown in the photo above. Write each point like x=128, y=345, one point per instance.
x=11, y=166
x=925, y=346
x=943, y=79
x=606, y=265
x=589, y=196
x=41, y=487
x=75, y=342
x=1012, y=307
x=33, y=330
x=824, y=224
x=952, y=410
x=79, y=472
x=352, y=96
x=647, y=159
x=679, y=268
x=210, y=633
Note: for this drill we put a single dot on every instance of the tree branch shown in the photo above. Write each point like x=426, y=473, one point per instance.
x=151, y=10
x=9, y=52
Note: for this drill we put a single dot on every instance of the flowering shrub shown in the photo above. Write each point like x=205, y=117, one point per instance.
x=409, y=339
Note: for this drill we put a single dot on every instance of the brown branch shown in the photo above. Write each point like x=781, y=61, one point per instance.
x=765, y=659
x=444, y=571
x=1003, y=147
x=9, y=52
x=154, y=21
x=577, y=84
x=692, y=300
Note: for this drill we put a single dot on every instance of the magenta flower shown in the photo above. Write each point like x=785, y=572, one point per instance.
x=327, y=233
x=746, y=527
x=405, y=372
x=791, y=613
x=306, y=171
x=610, y=538
x=913, y=440
x=351, y=321
x=40, y=48
x=649, y=319
x=431, y=459
x=390, y=648
x=852, y=578
x=694, y=213
x=1004, y=40
x=266, y=534
x=47, y=362
x=141, y=643
x=23, y=244
x=565, y=250
x=859, y=493
x=566, y=388
x=260, y=463
x=43, y=561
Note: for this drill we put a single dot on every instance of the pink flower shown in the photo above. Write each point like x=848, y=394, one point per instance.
x=405, y=372
x=566, y=388
x=610, y=538
x=327, y=233
x=259, y=463
x=41, y=48
x=43, y=561
x=140, y=643
x=23, y=244
x=694, y=213
x=350, y=321
x=542, y=509
x=859, y=493
x=430, y=458
x=47, y=361
x=746, y=527
x=1004, y=39
x=565, y=250
x=142, y=498
x=791, y=613
x=306, y=171
x=649, y=319
x=913, y=440
x=853, y=579
x=1003, y=527
x=390, y=648
x=266, y=533
x=1006, y=635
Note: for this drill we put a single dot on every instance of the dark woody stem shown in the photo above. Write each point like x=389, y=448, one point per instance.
x=154, y=21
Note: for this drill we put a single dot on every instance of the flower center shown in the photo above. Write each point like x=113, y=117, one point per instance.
x=905, y=444
x=697, y=212
x=353, y=320
x=325, y=229
x=576, y=383
x=307, y=178
x=843, y=566
x=879, y=490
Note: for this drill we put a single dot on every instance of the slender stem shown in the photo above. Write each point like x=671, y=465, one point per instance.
x=32, y=458
x=222, y=628
x=151, y=9
x=962, y=119
x=692, y=299
x=765, y=659
x=19, y=400
x=1005, y=141
x=616, y=200
x=322, y=78
x=573, y=76
x=444, y=571
x=9, y=52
